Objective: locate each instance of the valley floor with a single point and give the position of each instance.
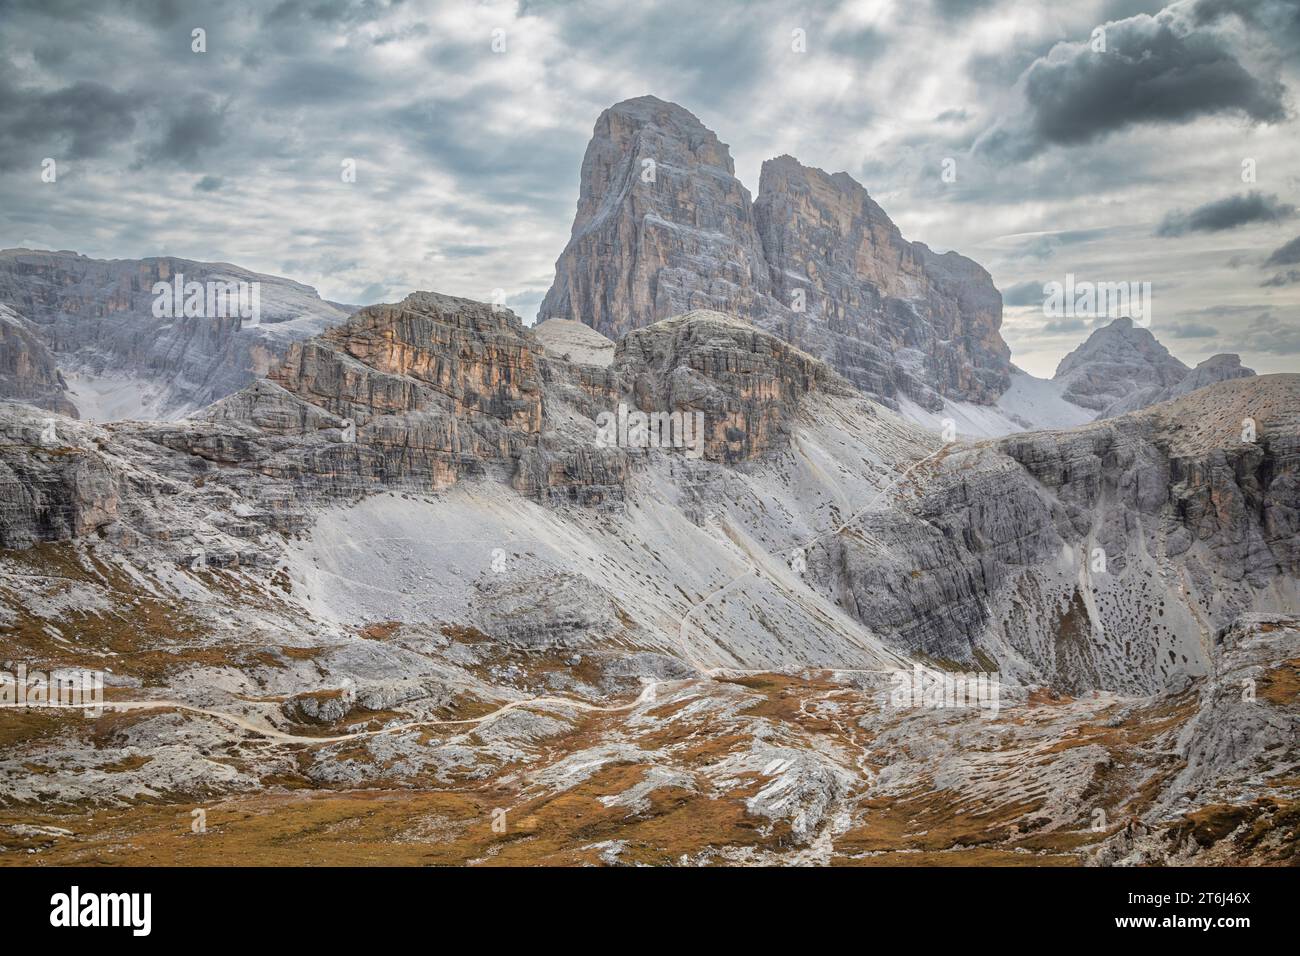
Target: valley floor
(816, 768)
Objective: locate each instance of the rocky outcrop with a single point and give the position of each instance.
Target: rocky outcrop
(1217, 807)
(96, 317)
(891, 315)
(664, 227)
(52, 487)
(1217, 368)
(416, 396)
(1174, 523)
(980, 556)
(746, 384)
(1114, 362)
(929, 574)
(28, 372)
(1102, 556)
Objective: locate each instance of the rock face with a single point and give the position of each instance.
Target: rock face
(1116, 361)
(1189, 524)
(28, 372)
(961, 553)
(1217, 368)
(889, 314)
(1105, 555)
(411, 522)
(418, 395)
(746, 383)
(1235, 742)
(415, 396)
(96, 318)
(664, 227)
(54, 487)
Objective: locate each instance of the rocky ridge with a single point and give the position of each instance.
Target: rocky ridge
(664, 227)
(469, 545)
(95, 318)
(1217, 368)
(1121, 368)
(989, 552)
(28, 372)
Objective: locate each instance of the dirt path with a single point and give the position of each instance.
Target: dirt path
(270, 733)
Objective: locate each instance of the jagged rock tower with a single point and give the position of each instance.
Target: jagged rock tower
(664, 226)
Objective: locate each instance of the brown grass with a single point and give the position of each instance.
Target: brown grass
(1281, 685)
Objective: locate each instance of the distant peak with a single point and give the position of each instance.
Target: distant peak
(1222, 358)
(647, 99)
(652, 109)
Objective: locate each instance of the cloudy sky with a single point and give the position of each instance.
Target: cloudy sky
(1173, 157)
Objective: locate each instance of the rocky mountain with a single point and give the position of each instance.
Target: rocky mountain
(663, 227)
(118, 359)
(1217, 368)
(1121, 368)
(407, 559)
(1115, 361)
(28, 372)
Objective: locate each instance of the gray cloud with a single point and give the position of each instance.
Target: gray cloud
(1046, 245)
(1073, 324)
(717, 54)
(953, 116)
(1280, 18)
(1193, 330)
(1023, 293)
(453, 135)
(461, 250)
(328, 12)
(197, 126)
(78, 121)
(469, 161)
(1227, 213)
(961, 9)
(1268, 333)
(1153, 70)
(1285, 255)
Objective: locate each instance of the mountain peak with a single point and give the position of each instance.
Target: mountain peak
(663, 227)
(1122, 366)
(649, 106)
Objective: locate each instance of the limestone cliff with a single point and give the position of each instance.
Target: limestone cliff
(980, 553)
(663, 227)
(891, 315)
(28, 372)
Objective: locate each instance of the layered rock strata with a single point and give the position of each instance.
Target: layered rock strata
(664, 227)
